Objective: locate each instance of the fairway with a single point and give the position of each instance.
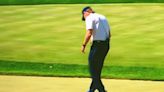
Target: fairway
(55, 84)
(54, 34)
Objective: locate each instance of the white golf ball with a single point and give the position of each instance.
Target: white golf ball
(50, 66)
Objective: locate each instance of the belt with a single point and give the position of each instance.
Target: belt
(100, 41)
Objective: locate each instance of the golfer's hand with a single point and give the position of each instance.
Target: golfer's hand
(83, 49)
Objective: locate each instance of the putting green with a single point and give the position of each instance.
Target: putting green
(55, 84)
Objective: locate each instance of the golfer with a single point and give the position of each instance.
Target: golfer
(99, 31)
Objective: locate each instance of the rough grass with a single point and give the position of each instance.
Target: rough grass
(75, 70)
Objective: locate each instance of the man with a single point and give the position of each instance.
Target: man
(98, 29)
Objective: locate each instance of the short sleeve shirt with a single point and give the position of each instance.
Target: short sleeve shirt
(100, 26)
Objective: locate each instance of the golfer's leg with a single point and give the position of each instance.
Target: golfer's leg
(104, 51)
(100, 65)
(92, 67)
(103, 54)
(100, 84)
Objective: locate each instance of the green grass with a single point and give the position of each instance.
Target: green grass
(54, 34)
(26, 2)
(75, 70)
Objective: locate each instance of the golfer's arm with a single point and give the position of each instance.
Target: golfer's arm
(87, 36)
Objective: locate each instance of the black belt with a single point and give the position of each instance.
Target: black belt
(100, 41)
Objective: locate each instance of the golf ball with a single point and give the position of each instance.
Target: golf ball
(50, 66)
